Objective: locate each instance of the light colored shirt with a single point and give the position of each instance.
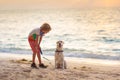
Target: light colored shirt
(35, 31)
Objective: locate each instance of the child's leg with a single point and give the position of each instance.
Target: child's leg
(32, 45)
(39, 58)
(33, 57)
(38, 54)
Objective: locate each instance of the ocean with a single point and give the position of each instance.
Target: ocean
(87, 33)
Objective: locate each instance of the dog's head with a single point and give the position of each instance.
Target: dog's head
(60, 44)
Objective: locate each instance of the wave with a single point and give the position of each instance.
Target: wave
(67, 53)
(108, 40)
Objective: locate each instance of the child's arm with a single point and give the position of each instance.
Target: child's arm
(40, 37)
(38, 40)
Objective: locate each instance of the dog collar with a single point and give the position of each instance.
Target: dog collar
(59, 51)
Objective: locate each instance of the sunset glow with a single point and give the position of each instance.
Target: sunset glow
(58, 3)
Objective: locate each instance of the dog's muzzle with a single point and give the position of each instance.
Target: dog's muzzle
(59, 44)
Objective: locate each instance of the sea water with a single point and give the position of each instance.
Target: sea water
(87, 33)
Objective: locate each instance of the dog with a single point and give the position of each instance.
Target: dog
(60, 63)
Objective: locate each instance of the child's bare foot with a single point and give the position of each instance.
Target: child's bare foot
(33, 65)
(42, 65)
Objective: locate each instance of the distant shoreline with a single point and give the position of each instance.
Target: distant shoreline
(8, 56)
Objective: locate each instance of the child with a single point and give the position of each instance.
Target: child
(35, 38)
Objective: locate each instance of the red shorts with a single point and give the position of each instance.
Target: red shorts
(34, 45)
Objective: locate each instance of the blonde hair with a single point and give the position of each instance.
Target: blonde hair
(45, 27)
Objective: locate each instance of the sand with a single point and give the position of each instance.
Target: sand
(16, 67)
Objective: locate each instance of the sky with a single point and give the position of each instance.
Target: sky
(58, 3)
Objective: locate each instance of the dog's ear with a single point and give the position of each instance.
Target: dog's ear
(62, 42)
(57, 42)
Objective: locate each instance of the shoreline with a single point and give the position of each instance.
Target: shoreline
(8, 56)
(17, 67)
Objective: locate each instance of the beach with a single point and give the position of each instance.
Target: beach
(90, 32)
(17, 67)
